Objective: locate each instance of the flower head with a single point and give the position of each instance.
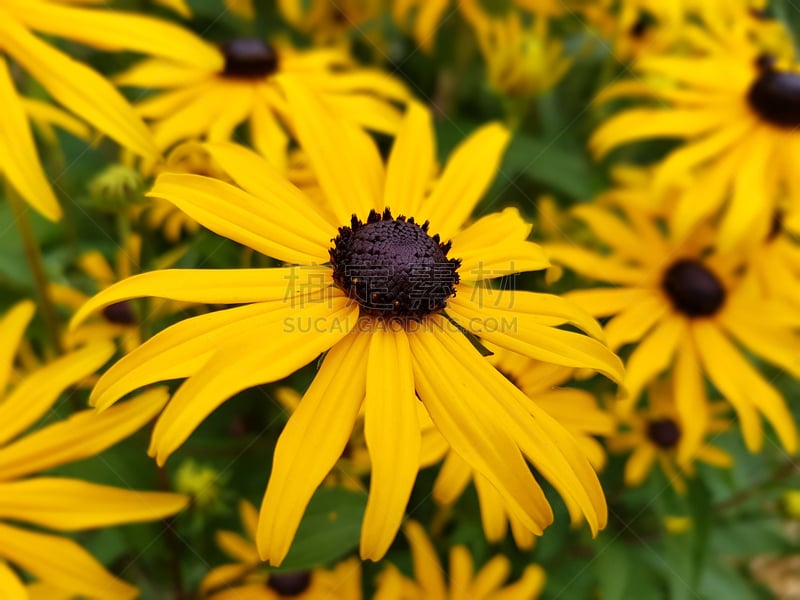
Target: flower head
(390, 307)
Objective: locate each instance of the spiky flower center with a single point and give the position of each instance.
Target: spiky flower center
(693, 289)
(664, 433)
(120, 313)
(775, 95)
(289, 584)
(392, 267)
(249, 58)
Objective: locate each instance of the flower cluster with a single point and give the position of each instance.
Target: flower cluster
(400, 280)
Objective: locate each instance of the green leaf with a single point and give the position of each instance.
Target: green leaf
(330, 529)
(613, 569)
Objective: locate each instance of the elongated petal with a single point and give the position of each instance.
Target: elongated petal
(427, 568)
(392, 434)
(13, 588)
(778, 345)
(493, 514)
(497, 245)
(113, 30)
(238, 548)
(246, 360)
(233, 213)
(18, 155)
(452, 480)
(36, 393)
(258, 177)
(470, 170)
(594, 266)
(603, 302)
(411, 164)
(691, 402)
(46, 114)
(744, 387)
(460, 413)
(159, 74)
(352, 180)
(12, 327)
(72, 505)
(522, 330)
(82, 435)
(79, 88)
(651, 357)
(546, 443)
(633, 322)
(212, 286)
(639, 464)
(326, 416)
(61, 562)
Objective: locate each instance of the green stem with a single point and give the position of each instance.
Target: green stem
(34, 256)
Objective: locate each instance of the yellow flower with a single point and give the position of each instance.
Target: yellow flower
(77, 87)
(576, 410)
(521, 60)
(430, 583)
(60, 503)
(209, 95)
(655, 434)
(736, 108)
(377, 308)
(679, 302)
(330, 21)
(429, 15)
(248, 577)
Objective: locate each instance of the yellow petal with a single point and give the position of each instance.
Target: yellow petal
(246, 360)
(651, 357)
(79, 88)
(427, 568)
(61, 562)
(452, 480)
(778, 345)
(326, 416)
(35, 394)
(72, 505)
(744, 387)
(18, 155)
(12, 327)
(45, 113)
(603, 302)
(595, 266)
(12, 587)
(353, 179)
(159, 73)
(114, 30)
(470, 170)
(411, 164)
(258, 177)
(522, 330)
(490, 577)
(284, 234)
(82, 435)
(496, 245)
(690, 401)
(459, 410)
(392, 435)
(212, 286)
(639, 464)
(635, 320)
(237, 547)
(493, 514)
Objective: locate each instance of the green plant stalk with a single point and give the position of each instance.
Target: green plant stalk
(34, 257)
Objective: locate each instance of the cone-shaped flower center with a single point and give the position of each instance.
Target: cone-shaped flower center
(289, 584)
(392, 267)
(775, 95)
(693, 289)
(120, 313)
(664, 433)
(249, 57)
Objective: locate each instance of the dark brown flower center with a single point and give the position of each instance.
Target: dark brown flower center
(249, 57)
(664, 433)
(120, 313)
(289, 584)
(776, 225)
(693, 289)
(643, 25)
(775, 95)
(392, 267)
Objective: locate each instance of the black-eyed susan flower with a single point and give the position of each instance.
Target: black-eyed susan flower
(736, 109)
(575, 409)
(248, 577)
(461, 581)
(686, 307)
(208, 95)
(60, 503)
(653, 435)
(329, 21)
(72, 84)
(522, 60)
(377, 290)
